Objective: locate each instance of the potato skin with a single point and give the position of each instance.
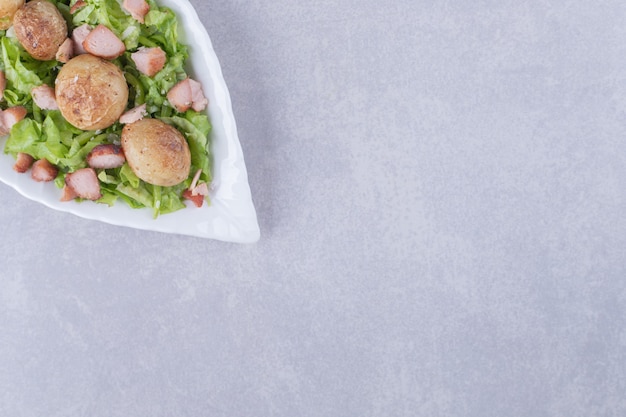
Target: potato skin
(91, 92)
(7, 10)
(40, 28)
(156, 152)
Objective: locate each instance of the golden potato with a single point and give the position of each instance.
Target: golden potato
(40, 28)
(7, 10)
(156, 152)
(91, 92)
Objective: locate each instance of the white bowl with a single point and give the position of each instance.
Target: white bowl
(231, 216)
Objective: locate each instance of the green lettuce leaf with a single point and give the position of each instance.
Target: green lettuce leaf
(22, 72)
(196, 127)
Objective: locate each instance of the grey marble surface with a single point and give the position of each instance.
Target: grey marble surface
(441, 193)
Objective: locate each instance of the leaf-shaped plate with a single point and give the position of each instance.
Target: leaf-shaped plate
(231, 216)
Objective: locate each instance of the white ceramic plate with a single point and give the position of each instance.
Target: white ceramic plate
(231, 216)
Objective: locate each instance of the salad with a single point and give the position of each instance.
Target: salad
(43, 130)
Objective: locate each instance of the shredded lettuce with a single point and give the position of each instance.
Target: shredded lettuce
(46, 133)
(23, 72)
(196, 129)
(110, 14)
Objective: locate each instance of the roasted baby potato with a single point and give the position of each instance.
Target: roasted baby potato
(40, 28)
(156, 152)
(91, 92)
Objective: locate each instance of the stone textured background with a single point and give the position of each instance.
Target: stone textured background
(441, 193)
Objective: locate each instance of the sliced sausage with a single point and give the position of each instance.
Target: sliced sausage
(106, 156)
(43, 96)
(66, 51)
(102, 42)
(187, 94)
(196, 199)
(179, 96)
(68, 193)
(23, 162)
(134, 114)
(137, 8)
(43, 171)
(200, 189)
(11, 116)
(84, 183)
(198, 100)
(149, 60)
(78, 37)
